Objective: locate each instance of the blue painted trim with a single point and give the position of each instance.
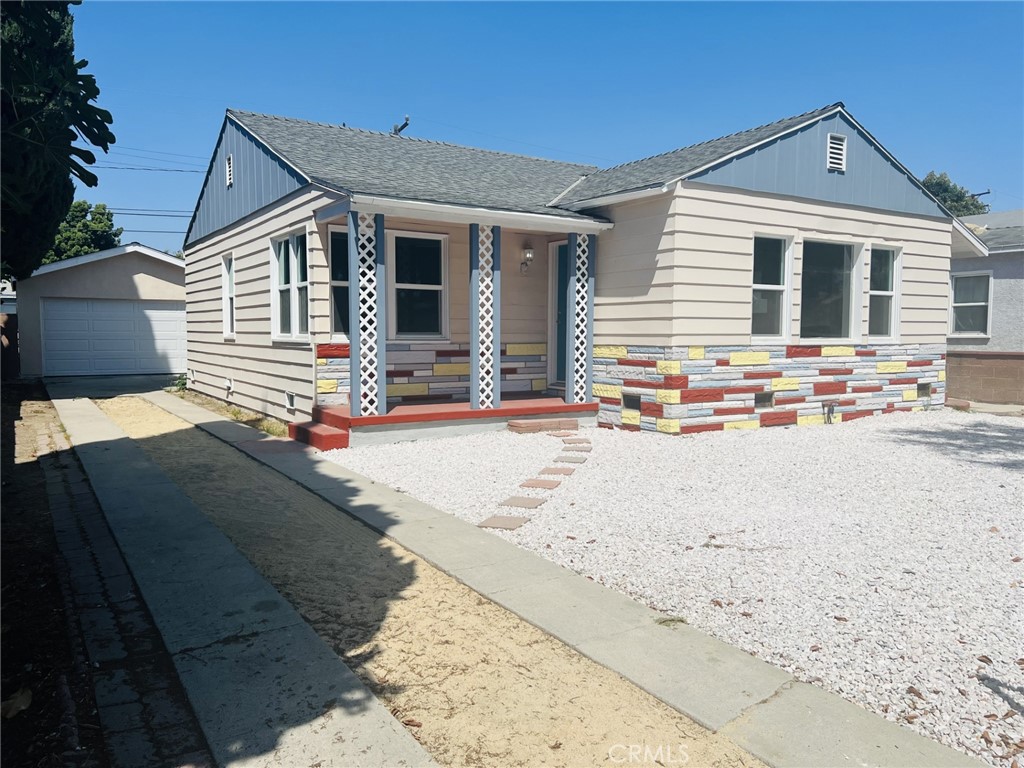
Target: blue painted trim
(353, 313)
(570, 318)
(497, 317)
(474, 316)
(380, 259)
(591, 289)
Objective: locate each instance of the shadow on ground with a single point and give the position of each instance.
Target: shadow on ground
(986, 442)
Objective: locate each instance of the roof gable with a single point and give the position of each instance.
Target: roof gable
(110, 253)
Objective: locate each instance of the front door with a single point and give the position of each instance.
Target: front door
(561, 286)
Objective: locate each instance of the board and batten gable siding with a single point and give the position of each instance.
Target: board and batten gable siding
(259, 179)
(262, 370)
(796, 165)
(714, 234)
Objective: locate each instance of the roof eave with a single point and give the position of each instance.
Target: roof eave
(120, 250)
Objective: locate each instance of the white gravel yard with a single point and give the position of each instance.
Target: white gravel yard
(880, 559)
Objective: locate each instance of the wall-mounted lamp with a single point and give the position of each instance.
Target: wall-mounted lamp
(524, 265)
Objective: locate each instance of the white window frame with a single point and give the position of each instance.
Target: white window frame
(228, 295)
(293, 289)
(952, 306)
(841, 165)
(896, 293)
(857, 251)
(786, 289)
(336, 337)
(393, 287)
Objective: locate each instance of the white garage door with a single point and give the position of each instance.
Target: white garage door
(90, 337)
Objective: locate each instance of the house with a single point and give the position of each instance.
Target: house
(789, 274)
(986, 315)
(116, 311)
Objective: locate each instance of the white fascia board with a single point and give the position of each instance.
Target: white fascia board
(333, 211)
(622, 197)
(972, 239)
(110, 253)
(458, 214)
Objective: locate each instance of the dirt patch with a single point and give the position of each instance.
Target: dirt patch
(474, 683)
(253, 419)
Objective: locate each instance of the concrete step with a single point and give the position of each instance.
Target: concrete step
(523, 426)
(320, 436)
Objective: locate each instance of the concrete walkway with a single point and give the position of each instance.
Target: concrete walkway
(216, 650)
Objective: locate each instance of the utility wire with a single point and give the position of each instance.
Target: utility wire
(158, 215)
(140, 156)
(144, 168)
(159, 231)
(158, 152)
(150, 210)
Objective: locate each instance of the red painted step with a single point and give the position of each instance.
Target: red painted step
(320, 436)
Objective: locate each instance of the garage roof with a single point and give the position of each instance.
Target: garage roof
(110, 253)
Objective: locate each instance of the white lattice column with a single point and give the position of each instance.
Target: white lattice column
(579, 325)
(485, 315)
(367, 313)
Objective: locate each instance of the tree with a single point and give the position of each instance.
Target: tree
(957, 199)
(46, 105)
(86, 229)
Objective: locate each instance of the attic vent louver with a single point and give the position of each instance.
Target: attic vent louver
(836, 152)
(229, 170)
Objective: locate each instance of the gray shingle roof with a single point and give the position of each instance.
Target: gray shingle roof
(657, 170)
(1002, 231)
(366, 162)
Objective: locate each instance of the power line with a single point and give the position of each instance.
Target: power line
(158, 215)
(141, 156)
(157, 231)
(151, 210)
(158, 152)
(144, 168)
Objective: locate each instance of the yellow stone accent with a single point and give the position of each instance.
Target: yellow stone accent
(408, 389)
(607, 390)
(749, 358)
(785, 385)
(326, 386)
(668, 426)
(668, 366)
(942, 375)
(749, 424)
(810, 421)
(897, 366)
(667, 396)
(696, 353)
(631, 417)
(612, 352)
(451, 369)
(909, 394)
(540, 384)
(838, 352)
(526, 349)
(917, 408)
(321, 361)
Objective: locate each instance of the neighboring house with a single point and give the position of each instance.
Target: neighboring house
(986, 316)
(8, 298)
(759, 279)
(116, 311)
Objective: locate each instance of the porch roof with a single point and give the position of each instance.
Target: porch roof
(359, 162)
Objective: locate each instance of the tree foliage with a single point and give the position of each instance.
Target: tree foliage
(86, 229)
(956, 198)
(47, 104)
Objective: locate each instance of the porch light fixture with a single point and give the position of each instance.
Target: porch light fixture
(524, 266)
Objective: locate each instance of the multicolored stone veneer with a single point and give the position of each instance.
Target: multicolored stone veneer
(429, 371)
(683, 390)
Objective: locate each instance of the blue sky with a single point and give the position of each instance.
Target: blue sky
(941, 85)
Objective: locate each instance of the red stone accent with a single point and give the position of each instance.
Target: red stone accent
(721, 362)
(902, 382)
(456, 352)
(857, 415)
(602, 425)
(701, 428)
(651, 409)
(743, 390)
(510, 369)
(630, 427)
(732, 411)
(397, 374)
(701, 395)
(865, 352)
(333, 350)
(845, 403)
(835, 371)
(609, 401)
(919, 363)
(640, 384)
(830, 388)
(789, 400)
(637, 363)
(871, 388)
(803, 351)
(942, 357)
(676, 382)
(778, 418)
(762, 375)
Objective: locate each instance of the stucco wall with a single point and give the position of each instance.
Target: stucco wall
(1007, 333)
(132, 276)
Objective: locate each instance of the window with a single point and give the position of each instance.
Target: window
(339, 282)
(290, 287)
(972, 304)
(882, 293)
(835, 152)
(228, 295)
(229, 170)
(826, 291)
(417, 285)
(769, 295)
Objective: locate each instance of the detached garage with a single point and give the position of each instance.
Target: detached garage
(118, 311)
